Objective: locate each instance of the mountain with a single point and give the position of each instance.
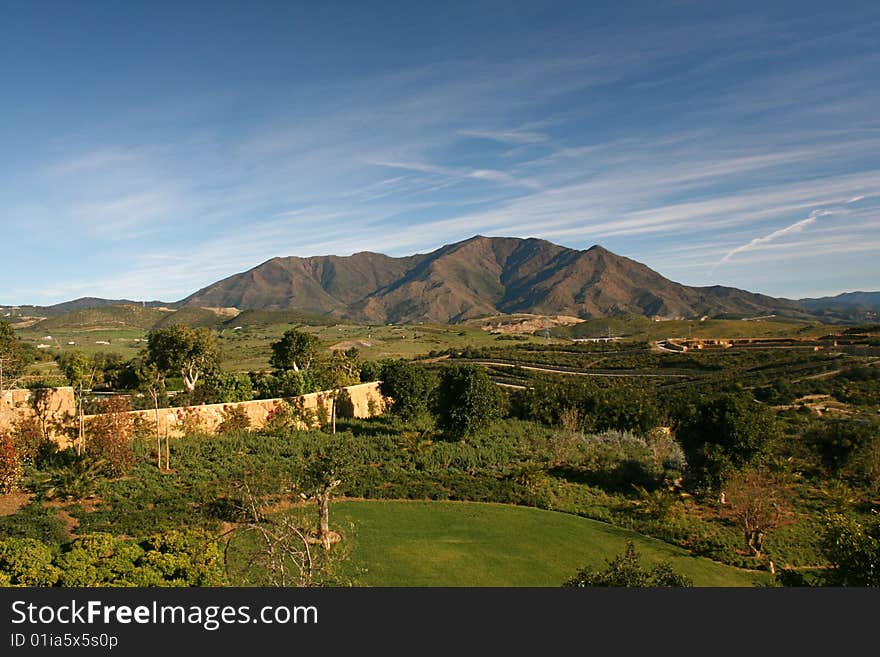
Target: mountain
(83, 303)
(476, 277)
(847, 300)
(848, 307)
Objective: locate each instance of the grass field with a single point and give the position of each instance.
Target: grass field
(248, 348)
(411, 543)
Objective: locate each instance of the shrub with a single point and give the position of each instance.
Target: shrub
(853, 549)
(189, 421)
(627, 570)
(171, 558)
(29, 438)
(27, 562)
(234, 419)
(11, 470)
(110, 435)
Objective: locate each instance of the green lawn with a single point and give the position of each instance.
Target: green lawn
(407, 543)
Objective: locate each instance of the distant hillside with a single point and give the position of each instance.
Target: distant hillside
(847, 300)
(477, 277)
(109, 317)
(193, 317)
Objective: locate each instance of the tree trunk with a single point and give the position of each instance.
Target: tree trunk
(333, 413)
(167, 453)
(81, 443)
(324, 516)
(158, 434)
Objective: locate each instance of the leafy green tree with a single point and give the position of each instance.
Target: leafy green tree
(326, 463)
(627, 570)
(409, 387)
(151, 382)
(191, 353)
(724, 434)
(467, 400)
(82, 372)
(296, 350)
(853, 549)
(14, 355)
(371, 370)
(225, 388)
(284, 384)
(338, 370)
(838, 441)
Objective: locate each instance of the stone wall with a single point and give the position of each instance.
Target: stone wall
(366, 400)
(54, 408)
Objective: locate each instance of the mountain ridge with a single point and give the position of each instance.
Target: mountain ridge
(476, 277)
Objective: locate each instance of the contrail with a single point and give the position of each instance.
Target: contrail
(855, 199)
(796, 227)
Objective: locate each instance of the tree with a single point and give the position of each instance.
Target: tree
(338, 370)
(152, 383)
(467, 400)
(226, 388)
(326, 463)
(296, 350)
(81, 372)
(853, 549)
(14, 355)
(839, 441)
(284, 546)
(409, 387)
(724, 434)
(178, 349)
(111, 431)
(757, 498)
(627, 570)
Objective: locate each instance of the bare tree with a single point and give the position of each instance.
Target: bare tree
(284, 550)
(285, 553)
(756, 498)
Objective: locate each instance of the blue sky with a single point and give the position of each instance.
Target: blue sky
(151, 149)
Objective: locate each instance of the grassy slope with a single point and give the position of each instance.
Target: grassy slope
(407, 543)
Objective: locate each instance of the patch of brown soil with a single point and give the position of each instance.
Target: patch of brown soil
(12, 502)
(528, 323)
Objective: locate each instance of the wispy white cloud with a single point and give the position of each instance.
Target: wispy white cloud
(796, 227)
(507, 136)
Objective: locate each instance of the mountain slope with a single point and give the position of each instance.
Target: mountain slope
(476, 277)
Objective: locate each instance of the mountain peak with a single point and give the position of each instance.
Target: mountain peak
(476, 277)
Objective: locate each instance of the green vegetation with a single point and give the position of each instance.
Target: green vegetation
(762, 455)
(401, 543)
(627, 570)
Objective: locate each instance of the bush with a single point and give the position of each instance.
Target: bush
(234, 419)
(627, 570)
(11, 470)
(110, 436)
(29, 438)
(171, 558)
(27, 562)
(853, 549)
